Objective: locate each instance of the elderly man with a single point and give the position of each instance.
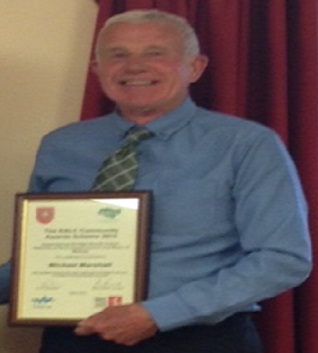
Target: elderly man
(229, 224)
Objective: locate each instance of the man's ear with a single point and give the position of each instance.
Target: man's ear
(198, 65)
(93, 66)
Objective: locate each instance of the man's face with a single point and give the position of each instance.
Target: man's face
(142, 68)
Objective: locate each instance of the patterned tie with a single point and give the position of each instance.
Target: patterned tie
(118, 172)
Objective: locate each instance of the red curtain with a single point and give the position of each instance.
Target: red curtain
(263, 67)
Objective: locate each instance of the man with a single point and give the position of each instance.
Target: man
(229, 218)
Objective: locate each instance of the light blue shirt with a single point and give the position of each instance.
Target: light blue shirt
(5, 271)
(229, 221)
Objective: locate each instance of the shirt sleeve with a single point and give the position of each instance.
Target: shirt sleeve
(271, 222)
(5, 269)
(4, 282)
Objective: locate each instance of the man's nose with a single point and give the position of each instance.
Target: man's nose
(135, 63)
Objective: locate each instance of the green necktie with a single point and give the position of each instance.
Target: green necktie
(118, 172)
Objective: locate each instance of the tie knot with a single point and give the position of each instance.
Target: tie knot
(138, 133)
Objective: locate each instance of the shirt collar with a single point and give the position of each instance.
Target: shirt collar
(163, 127)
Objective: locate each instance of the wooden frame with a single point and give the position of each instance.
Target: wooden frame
(76, 253)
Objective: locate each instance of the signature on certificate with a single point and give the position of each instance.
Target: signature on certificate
(108, 284)
(49, 285)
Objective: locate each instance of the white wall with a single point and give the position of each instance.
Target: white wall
(44, 54)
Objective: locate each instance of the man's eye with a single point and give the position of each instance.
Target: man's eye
(155, 53)
(118, 55)
(114, 55)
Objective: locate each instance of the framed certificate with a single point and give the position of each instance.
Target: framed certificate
(76, 254)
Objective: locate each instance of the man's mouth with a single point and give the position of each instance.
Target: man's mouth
(138, 82)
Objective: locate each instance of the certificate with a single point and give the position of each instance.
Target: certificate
(75, 254)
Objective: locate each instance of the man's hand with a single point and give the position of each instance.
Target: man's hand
(125, 324)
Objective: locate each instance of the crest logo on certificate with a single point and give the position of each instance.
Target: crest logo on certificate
(45, 215)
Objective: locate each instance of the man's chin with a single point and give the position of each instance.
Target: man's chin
(140, 113)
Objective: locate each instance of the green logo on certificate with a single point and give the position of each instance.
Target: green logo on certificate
(109, 212)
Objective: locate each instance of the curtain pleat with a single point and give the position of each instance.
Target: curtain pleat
(263, 67)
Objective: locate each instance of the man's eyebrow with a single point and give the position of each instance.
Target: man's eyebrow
(156, 47)
(111, 49)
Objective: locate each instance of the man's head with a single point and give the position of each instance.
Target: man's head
(145, 61)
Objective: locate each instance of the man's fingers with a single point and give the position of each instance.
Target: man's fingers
(83, 330)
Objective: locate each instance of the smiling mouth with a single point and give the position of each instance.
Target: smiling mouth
(138, 82)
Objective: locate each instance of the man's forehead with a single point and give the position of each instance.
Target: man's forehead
(123, 29)
(115, 47)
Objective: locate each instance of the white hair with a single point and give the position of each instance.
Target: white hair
(187, 33)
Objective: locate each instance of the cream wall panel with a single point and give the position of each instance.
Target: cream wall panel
(44, 54)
